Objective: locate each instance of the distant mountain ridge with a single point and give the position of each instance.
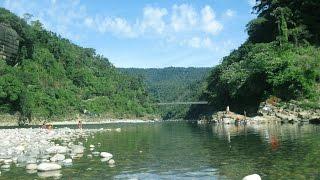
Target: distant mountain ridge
(172, 84)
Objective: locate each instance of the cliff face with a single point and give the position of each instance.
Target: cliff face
(9, 42)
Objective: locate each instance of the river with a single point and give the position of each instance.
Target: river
(180, 150)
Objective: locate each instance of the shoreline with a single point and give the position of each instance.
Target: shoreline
(84, 122)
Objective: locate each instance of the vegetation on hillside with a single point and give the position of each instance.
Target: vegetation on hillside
(172, 84)
(54, 78)
(280, 58)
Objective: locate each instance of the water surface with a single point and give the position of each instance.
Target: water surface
(179, 150)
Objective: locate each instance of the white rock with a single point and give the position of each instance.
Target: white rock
(32, 166)
(111, 162)
(50, 174)
(5, 166)
(48, 167)
(8, 161)
(77, 149)
(57, 157)
(106, 155)
(31, 171)
(32, 161)
(91, 146)
(67, 161)
(57, 149)
(252, 177)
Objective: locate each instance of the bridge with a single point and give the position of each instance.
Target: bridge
(181, 103)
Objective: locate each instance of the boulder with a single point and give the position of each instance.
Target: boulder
(48, 167)
(286, 117)
(252, 177)
(106, 155)
(111, 162)
(57, 157)
(228, 120)
(32, 167)
(5, 166)
(8, 161)
(77, 149)
(50, 174)
(67, 161)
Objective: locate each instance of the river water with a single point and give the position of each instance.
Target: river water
(179, 150)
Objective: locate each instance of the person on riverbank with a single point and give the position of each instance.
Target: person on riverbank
(44, 126)
(79, 124)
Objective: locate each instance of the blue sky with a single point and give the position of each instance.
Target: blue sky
(146, 33)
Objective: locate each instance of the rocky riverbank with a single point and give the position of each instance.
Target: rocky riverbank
(38, 151)
(12, 120)
(267, 113)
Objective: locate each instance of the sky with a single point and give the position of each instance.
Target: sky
(146, 33)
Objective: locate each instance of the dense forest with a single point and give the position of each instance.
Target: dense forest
(172, 84)
(281, 58)
(52, 78)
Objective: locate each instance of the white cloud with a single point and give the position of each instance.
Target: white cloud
(229, 13)
(199, 42)
(117, 26)
(183, 24)
(210, 24)
(153, 19)
(49, 12)
(183, 17)
(194, 42)
(252, 2)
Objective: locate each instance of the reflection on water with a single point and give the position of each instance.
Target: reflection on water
(178, 150)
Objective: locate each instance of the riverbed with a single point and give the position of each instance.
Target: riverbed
(180, 150)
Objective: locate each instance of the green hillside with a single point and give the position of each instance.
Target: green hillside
(52, 78)
(280, 58)
(172, 84)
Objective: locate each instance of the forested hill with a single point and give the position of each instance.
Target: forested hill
(172, 84)
(51, 78)
(281, 58)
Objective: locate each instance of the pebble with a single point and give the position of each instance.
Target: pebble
(25, 147)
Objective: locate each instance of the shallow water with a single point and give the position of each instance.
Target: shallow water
(179, 150)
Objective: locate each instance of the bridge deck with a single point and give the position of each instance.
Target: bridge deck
(182, 103)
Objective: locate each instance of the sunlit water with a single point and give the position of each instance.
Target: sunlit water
(179, 150)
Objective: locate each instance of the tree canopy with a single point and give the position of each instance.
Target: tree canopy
(53, 78)
(280, 58)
